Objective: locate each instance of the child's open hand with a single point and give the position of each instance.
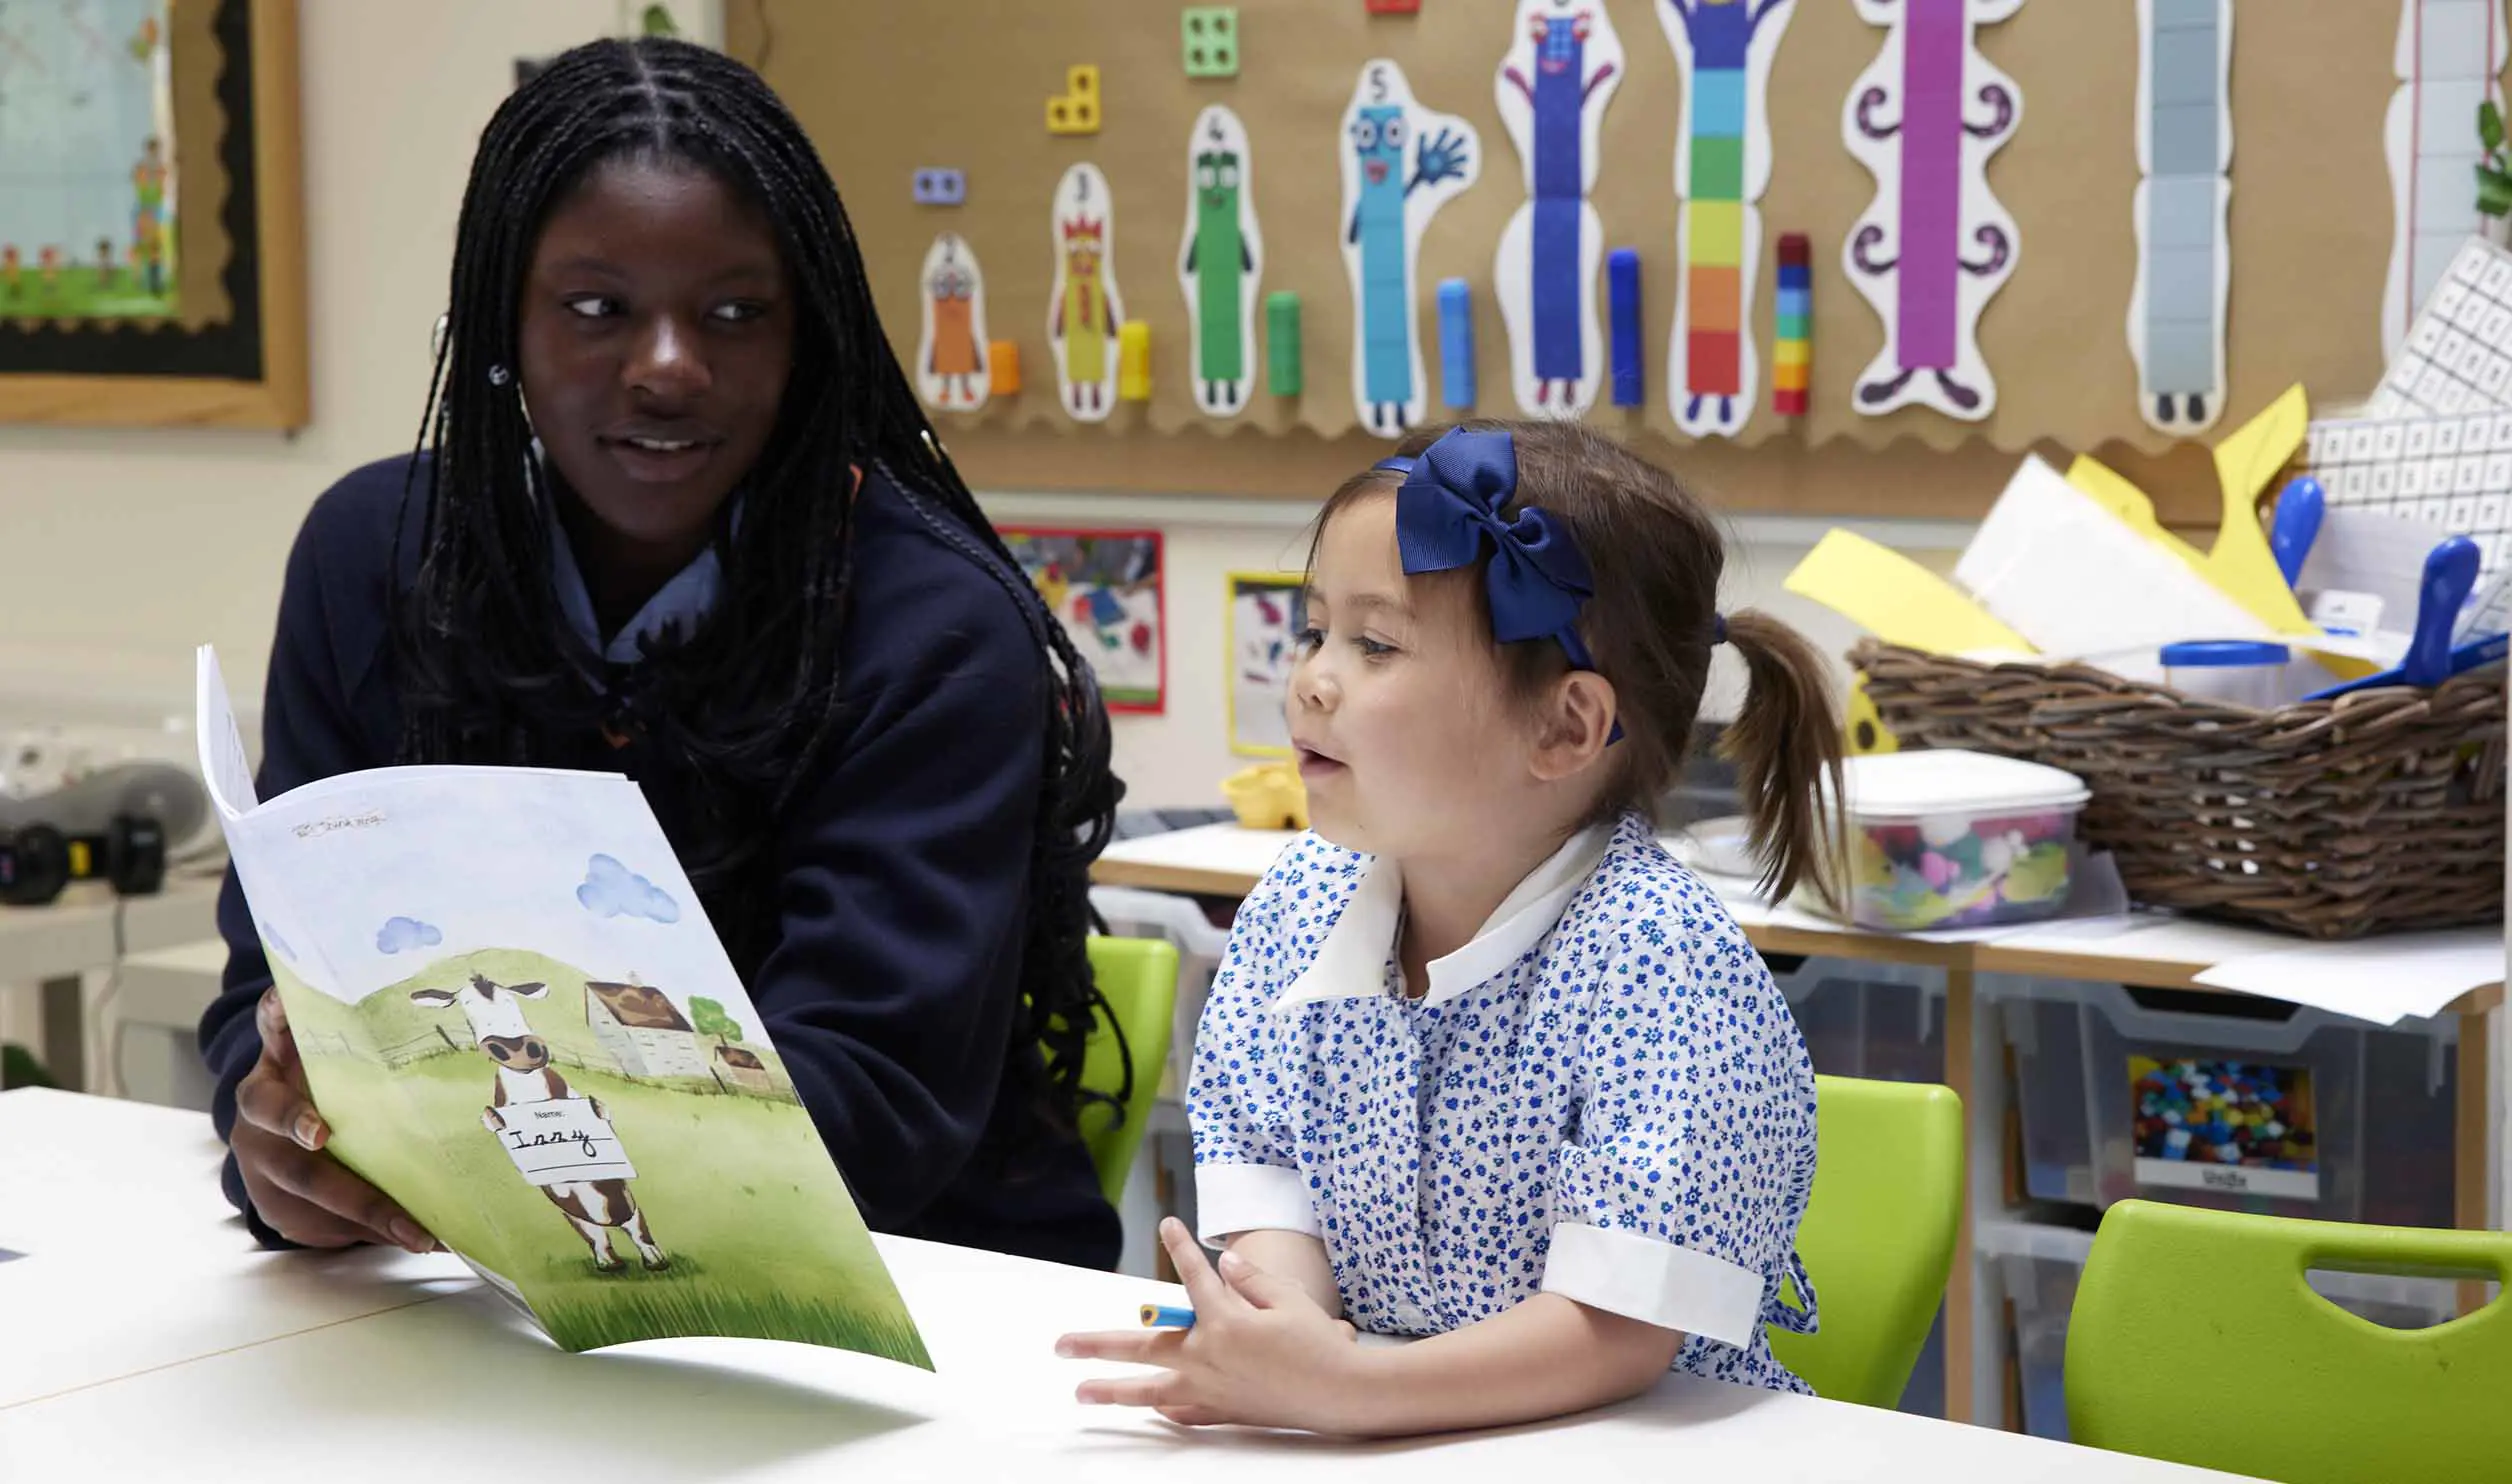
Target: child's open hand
(1261, 1352)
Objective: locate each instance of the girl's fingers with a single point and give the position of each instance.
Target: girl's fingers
(1203, 1286)
(1131, 1391)
(1126, 1346)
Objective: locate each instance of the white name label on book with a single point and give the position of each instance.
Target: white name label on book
(562, 1140)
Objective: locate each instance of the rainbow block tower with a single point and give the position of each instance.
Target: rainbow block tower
(1793, 331)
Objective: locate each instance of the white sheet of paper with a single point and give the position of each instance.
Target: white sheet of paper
(2079, 582)
(2367, 566)
(222, 743)
(2382, 979)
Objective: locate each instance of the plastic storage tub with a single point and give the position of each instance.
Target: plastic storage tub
(1885, 1021)
(1958, 839)
(1133, 913)
(2124, 1093)
(2038, 1268)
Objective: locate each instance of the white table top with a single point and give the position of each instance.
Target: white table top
(381, 1365)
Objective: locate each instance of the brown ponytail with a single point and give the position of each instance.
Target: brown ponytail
(1785, 744)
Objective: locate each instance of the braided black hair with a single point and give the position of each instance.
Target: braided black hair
(747, 700)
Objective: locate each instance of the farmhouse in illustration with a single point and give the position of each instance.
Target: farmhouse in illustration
(639, 1025)
(743, 1068)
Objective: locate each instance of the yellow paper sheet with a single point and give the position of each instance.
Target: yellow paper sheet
(1896, 599)
(2240, 560)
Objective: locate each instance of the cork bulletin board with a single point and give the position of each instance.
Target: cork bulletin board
(886, 90)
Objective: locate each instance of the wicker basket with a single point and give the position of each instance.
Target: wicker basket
(2375, 812)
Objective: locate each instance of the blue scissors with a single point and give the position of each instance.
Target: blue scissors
(2450, 575)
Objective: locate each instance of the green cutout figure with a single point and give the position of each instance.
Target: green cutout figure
(1219, 265)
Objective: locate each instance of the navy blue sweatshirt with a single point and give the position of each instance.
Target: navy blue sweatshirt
(887, 959)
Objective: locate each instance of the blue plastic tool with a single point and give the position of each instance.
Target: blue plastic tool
(2297, 525)
(1456, 343)
(2450, 573)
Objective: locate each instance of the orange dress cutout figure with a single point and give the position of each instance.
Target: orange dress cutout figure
(952, 355)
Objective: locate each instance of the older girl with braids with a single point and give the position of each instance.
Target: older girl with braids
(674, 513)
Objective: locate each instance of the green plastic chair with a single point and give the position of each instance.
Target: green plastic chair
(1878, 1235)
(1139, 977)
(2195, 1339)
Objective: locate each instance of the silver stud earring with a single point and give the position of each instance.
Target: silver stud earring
(499, 376)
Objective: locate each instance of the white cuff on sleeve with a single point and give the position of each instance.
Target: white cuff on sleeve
(1652, 1281)
(1234, 1198)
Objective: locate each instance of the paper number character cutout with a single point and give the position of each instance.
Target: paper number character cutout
(1084, 311)
(951, 371)
(2184, 273)
(1221, 261)
(1553, 86)
(2449, 57)
(1401, 163)
(1722, 165)
(1934, 246)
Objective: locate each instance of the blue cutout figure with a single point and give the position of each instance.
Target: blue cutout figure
(1559, 96)
(1379, 137)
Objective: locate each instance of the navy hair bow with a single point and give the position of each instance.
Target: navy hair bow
(1448, 510)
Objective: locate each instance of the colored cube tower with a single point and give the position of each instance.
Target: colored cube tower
(1282, 343)
(1456, 344)
(1076, 110)
(1793, 328)
(1133, 361)
(936, 186)
(1622, 280)
(1395, 7)
(1210, 36)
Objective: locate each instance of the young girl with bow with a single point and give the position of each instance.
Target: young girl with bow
(1484, 1067)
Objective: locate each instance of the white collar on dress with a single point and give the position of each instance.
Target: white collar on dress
(1352, 962)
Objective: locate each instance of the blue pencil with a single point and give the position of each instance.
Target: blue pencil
(1161, 1316)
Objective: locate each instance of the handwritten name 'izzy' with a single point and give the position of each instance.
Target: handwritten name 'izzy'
(516, 1139)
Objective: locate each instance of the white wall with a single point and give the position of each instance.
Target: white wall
(126, 547)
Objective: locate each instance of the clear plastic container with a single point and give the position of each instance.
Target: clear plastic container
(2038, 1270)
(2261, 1106)
(1958, 839)
(1884, 1021)
(2239, 672)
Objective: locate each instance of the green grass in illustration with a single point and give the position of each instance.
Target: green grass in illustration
(784, 1260)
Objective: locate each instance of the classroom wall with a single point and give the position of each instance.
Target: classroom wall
(126, 547)
(1176, 760)
(129, 546)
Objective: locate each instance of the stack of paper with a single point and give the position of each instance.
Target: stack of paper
(2077, 567)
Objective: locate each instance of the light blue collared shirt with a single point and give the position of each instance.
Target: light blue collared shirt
(684, 600)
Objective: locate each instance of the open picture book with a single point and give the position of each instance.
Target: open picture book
(520, 1025)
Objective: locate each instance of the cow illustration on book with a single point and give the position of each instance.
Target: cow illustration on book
(560, 1140)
